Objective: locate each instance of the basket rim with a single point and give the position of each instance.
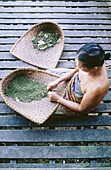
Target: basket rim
(26, 69)
(28, 31)
(15, 109)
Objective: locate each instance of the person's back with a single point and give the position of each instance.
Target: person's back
(95, 83)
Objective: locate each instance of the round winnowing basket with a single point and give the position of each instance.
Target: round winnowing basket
(36, 111)
(24, 50)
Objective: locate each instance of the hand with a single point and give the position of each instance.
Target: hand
(52, 85)
(53, 97)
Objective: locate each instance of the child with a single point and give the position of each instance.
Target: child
(88, 82)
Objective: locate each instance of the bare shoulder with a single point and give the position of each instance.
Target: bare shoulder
(98, 89)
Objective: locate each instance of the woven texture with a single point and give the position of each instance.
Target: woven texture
(24, 50)
(36, 111)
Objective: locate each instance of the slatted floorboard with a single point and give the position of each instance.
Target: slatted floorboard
(62, 142)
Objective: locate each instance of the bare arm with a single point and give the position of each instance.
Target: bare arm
(68, 75)
(65, 77)
(88, 103)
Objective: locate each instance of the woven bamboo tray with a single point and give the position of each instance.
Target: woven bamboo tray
(24, 50)
(36, 111)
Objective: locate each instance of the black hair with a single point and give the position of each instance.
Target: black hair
(92, 55)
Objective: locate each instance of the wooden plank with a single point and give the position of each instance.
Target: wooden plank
(6, 55)
(8, 40)
(59, 21)
(57, 15)
(5, 109)
(54, 9)
(84, 33)
(3, 73)
(14, 64)
(75, 166)
(64, 27)
(70, 55)
(86, 135)
(10, 33)
(56, 121)
(107, 97)
(84, 40)
(109, 73)
(66, 121)
(72, 47)
(16, 152)
(54, 3)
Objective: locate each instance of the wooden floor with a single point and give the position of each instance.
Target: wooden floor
(61, 142)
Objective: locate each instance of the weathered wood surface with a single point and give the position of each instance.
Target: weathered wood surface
(86, 135)
(56, 121)
(55, 152)
(82, 22)
(55, 4)
(98, 166)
